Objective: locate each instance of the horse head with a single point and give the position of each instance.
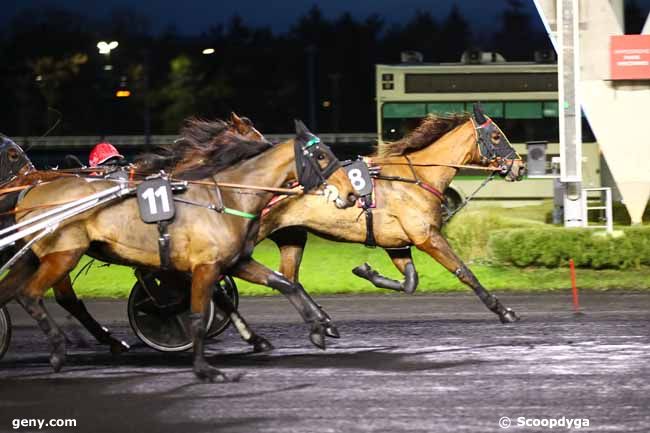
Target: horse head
(494, 148)
(13, 160)
(316, 165)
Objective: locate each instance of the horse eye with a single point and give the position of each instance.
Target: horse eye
(321, 156)
(13, 155)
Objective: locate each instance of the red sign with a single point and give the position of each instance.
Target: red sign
(630, 57)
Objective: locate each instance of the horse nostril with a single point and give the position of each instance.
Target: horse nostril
(352, 197)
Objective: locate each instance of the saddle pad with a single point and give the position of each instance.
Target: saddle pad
(155, 200)
(359, 176)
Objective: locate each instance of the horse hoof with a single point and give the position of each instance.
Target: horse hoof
(332, 331)
(362, 270)
(57, 354)
(508, 316)
(118, 346)
(317, 336)
(56, 361)
(261, 344)
(208, 373)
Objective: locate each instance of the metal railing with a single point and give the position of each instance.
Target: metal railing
(139, 141)
(603, 205)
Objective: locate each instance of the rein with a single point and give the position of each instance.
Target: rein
(286, 191)
(65, 173)
(436, 164)
(415, 180)
(468, 198)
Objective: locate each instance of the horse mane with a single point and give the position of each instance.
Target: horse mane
(430, 129)
(205, 147)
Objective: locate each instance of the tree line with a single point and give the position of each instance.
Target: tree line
(51, 68)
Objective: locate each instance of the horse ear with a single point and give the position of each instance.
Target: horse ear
(237, 122)
(478, 113)
(301, 129)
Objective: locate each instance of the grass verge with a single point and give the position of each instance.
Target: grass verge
(326, 270)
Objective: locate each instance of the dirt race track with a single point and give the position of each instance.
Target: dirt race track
(439, 363)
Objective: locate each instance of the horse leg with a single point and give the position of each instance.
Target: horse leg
(203, 279)
(17, 276)
(291, 243)
(255, 272)
(438, 248)
(403, 261)
(53, 267)
(259, 343)
(67, 298)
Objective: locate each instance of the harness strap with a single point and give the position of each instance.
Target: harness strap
(277, 199)
(239, 213)
(416, 180)
(223, 209)
(427, 187)
(366, 204)
(468, 198)
(164, 249)
(219, 206)
(410, 164)
(432, 190)
(274, 200)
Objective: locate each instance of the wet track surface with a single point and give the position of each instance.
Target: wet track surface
(422, 364)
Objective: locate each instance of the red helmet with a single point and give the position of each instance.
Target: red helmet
(102, 152)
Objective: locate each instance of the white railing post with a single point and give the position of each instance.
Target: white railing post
(609, 215)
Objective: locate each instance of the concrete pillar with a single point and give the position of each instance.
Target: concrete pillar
(618, 6)
(570, 117)
(617, 111)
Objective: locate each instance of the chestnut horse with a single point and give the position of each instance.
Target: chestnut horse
(204, 243)
(203, 136)
(408, 201)
(16, 170)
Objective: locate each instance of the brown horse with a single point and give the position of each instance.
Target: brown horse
(204, 243)
(408, 203)
(17, 170)
(202, 136)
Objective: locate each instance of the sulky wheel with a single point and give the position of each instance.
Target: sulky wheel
(5, 331)
(221, 321)
(159, 310)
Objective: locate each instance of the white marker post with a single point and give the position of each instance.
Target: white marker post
(568, 45)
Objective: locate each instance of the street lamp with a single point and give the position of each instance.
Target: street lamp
(106, 47)
(208, 51)
(105, 84)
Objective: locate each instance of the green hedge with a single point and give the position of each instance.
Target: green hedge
(553, 247)
(469, 232)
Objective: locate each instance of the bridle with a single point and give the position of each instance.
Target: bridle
(498, 158)
(310, 173)
(501, 156)
(11, 169)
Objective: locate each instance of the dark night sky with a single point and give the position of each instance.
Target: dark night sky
(195, 16)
